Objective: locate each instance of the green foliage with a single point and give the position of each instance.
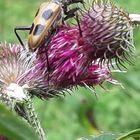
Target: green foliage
(14, 127)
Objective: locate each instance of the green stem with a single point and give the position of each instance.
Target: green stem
(32, 117)
(28, 109)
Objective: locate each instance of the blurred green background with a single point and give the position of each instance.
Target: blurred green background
(82, 113)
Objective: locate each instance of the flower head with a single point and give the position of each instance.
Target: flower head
(71, 62)
(17, 70)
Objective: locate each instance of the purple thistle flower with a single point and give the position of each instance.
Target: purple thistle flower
(108, 29)
(71, 62)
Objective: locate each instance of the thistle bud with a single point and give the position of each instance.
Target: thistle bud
(109, 31)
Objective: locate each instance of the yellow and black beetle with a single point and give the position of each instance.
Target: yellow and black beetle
(45, 22)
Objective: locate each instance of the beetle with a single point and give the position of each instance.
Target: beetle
(47, 18)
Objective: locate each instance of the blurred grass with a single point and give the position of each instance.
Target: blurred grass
(68, 118)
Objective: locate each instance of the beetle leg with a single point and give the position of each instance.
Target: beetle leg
(21, 28)
(78, 22)
(49, 38)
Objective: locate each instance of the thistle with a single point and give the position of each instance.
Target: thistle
(16, 77)
(18, 71)
(109, 31)
(24, 74)
(74, 60)
(71, 62)
(14, 65)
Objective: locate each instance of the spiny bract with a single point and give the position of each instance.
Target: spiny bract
(109, 31)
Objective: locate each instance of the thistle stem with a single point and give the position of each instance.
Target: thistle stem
(32, 118)
(30, 114)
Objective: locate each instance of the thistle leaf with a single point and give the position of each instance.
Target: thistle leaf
(104, 136)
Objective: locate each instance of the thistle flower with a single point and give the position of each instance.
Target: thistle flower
(108, 29)
(17, 70)
(71, 62)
